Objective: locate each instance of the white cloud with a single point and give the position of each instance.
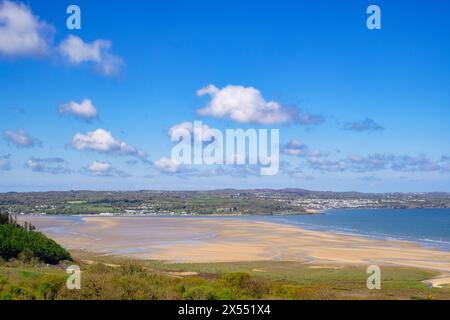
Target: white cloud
(166, 165)
(76, 51)
(20, 139)
(295, 148)
(247, 105)
(48, 165)
(85, 109)
(104, 169)
(22, 33)
(98, 166)
(241, 104)
(101, 140)
(179, 129)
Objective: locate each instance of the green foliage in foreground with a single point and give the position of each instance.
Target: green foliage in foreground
(299, 280)
(23, 284)
(122, 279)
(17, 242)
(132, 282)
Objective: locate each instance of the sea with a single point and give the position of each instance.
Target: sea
(428, 227)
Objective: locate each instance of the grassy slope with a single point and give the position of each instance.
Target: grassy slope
(125, 279)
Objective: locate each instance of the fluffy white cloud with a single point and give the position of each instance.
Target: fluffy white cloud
(76, 51)
(247, 105)
(166, 165)
(179, 129)
(241, 104)
(104, 169)
(20, 139)
(85, 109)
(101, 140)
(22, 33)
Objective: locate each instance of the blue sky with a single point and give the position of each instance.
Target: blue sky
(376, 102)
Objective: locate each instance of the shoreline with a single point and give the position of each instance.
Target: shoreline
(428, 243)
(199, 239)
(175, 214)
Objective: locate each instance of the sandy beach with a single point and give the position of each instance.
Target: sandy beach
(184, 239)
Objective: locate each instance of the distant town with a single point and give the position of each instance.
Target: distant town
(217, 202)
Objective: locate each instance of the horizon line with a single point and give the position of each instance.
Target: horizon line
(229, 189)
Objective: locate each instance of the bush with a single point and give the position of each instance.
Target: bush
(3, 281)
(243, 286)
(26, 256)
(50, 286)
(18, 293)
(133, 288)
(16, 242)
(235, 280)
(289, 291)
(200, 293)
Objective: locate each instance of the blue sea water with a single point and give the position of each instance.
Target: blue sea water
(429, 227)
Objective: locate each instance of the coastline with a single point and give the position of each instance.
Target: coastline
(227, 240)
(309, 221)
(307, 211)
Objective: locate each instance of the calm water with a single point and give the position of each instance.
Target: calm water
(430, 227)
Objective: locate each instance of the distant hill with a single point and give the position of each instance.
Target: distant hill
(226, 201)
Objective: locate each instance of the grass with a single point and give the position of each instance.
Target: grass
(112, 277)
(347, 282)
(109, 277)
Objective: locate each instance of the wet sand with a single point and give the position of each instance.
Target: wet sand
(184, 239)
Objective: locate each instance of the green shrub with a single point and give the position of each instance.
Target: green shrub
(243, 286)
(133, 288)
(16, 242)
(235, 280)
(3, 281)
(201, 293)
(50, 286)
(225, 294)
(18, 293)
(26, 256)
(289, 291)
